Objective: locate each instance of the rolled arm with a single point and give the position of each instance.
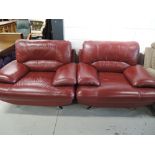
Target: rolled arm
(139, 77)
(87, 75)
(65, 75)
(12, 72)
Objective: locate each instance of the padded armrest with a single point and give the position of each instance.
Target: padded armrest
(65, 75)
(12, 72)
(87, 75)
(139, 77)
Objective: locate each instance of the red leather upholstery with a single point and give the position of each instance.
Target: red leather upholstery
(106, 51)
(87, 75)
(36, 89)
(43, 65)
(43, 50)
(12, 72)
(139, 77)
(55, 53)
(111, 59)
(110, 66)
(34, 72)
(114, 91)
(65, 75)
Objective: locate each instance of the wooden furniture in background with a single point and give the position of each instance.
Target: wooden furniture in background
(8, 26)
(7, 42)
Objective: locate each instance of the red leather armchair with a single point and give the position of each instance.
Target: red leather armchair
(42, 74)
(108, 76)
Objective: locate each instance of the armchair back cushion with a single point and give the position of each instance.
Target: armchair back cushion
(109, 56)
(43, 55)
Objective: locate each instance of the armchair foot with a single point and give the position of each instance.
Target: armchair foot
(89, 107)
(60, 107)
(152, 109)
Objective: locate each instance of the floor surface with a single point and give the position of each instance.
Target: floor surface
(74, 120)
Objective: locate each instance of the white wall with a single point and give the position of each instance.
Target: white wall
(122, 20)
(94, 19)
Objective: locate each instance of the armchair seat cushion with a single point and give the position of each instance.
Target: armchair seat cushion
(114, 91)
(36, 89)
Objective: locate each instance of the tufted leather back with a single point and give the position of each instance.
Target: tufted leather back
(109, 56)
(43, 55)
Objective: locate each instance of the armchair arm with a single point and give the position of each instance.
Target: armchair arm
(12, 72)
(65, 75)
(87, 75)
(139, 77)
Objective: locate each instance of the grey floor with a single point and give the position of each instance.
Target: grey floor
(74, 119)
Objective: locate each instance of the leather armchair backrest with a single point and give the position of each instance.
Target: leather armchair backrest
(109, 56)
(43, 55)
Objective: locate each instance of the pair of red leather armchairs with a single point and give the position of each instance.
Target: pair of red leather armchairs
(107, 75)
